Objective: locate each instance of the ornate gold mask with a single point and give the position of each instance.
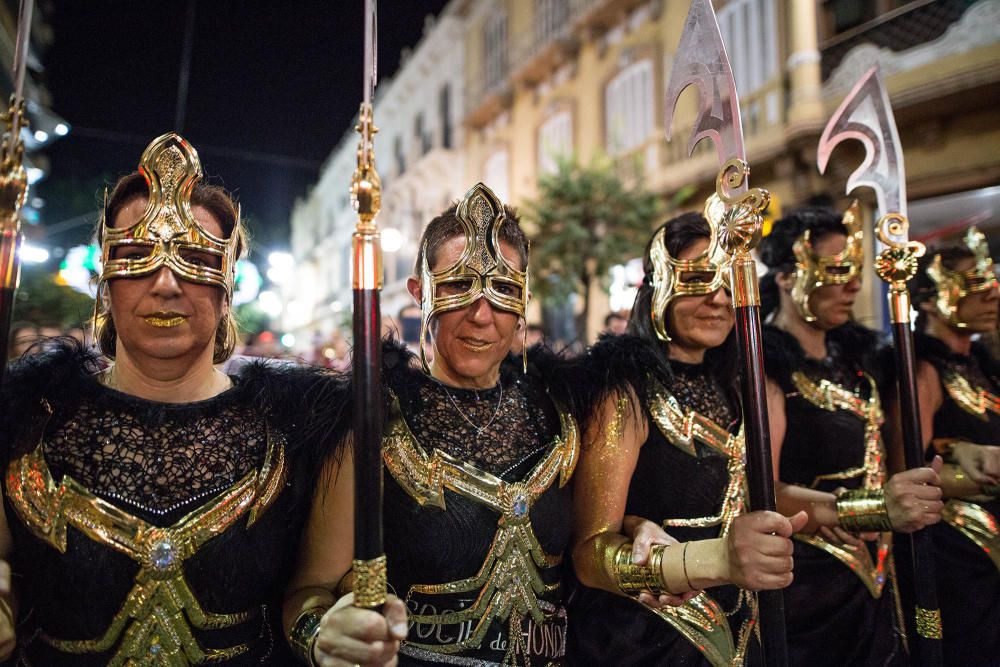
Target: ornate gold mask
(167, 233)
(698, 276)
(953, 286)
(812, 270)
(480, 272)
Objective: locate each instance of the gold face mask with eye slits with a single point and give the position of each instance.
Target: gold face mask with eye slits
(480, 272)
(168, 234)
(697, 276)
(812, 270)
(953, 286)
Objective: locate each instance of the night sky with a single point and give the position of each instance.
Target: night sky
(273, 86)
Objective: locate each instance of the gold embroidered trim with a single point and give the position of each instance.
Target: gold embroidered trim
(509, 581)
(830, 396)
(928, 622)
(976, 401)
(682, 428)
(701, 620)
(156, 620)
(975, 523)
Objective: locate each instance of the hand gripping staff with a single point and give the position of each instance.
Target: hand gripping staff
(13, 184)
(866, 115)
(734, 214)
(366, 195)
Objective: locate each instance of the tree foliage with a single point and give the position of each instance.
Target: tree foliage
(42, 301)
(586, 220)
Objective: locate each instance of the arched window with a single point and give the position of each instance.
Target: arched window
(496, 175)
(555, 141)
(628, 108)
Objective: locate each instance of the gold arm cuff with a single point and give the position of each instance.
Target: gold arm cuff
(634, 579)
(928, 623)
(302, 638)
(370, 581)
(863, 510)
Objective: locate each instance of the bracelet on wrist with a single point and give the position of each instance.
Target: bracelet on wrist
(302, 638)
(863, 510)
(634, 579)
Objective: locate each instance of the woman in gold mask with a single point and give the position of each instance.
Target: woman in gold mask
(665, 444)
(959, 387)
(826, 420)
(153, 504)
(478, 450)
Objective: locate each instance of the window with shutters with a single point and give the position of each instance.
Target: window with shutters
(629, 108)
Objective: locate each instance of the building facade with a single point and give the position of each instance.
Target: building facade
(540, 79)
(420, 161)
(587, 77)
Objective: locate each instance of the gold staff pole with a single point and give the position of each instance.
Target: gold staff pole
(13, 183)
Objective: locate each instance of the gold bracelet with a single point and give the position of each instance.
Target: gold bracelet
(863, 510)
(684, 560)
(304, 632)
(634, 579)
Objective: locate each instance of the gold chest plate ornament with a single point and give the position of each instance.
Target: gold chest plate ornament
(974, 400)
(968, 518)
(702, 620)
(154, 625)
(509, 583)
(829, 396)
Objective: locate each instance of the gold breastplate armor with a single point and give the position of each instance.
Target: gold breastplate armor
(974, 400)
(969, 518)
(154, 626)
(830, 396)
(509, 582)
(702, 620)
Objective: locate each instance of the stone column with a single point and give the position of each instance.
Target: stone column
(805, 111)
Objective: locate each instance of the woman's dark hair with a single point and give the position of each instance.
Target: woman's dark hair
(681, 232)
(215, 200)
(922, 288)
(776, 252)
(446, 226)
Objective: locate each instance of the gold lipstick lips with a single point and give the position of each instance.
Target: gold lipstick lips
(165, 320)
(476, 346)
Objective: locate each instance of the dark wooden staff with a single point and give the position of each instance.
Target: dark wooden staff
(735, 216)
(369, 565)
(866, 115)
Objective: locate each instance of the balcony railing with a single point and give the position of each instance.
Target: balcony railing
(534, 54)
(911, 25)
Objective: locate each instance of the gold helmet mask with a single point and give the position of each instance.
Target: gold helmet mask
(953, 286)
(480, 272)
(674, 277)
(167, 234)
(812, 270)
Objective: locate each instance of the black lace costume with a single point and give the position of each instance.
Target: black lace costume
(967, 541)
(694, 487)
(148, 532)
(841, 608)
(477, 516)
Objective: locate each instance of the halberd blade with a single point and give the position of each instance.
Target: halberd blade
(701, 60)
(866, 115)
